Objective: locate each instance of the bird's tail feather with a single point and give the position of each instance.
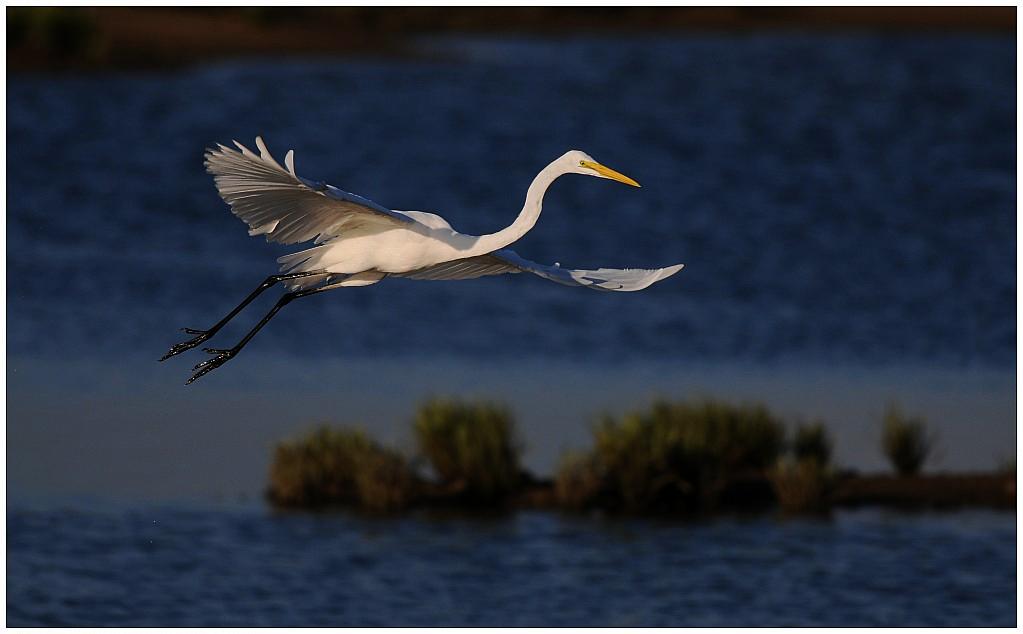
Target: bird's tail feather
(302, 261)
(306, 260)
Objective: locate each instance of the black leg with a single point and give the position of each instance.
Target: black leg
(225, 354)
(203, 335)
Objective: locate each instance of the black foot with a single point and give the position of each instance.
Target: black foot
(203, 335)
(203, 367)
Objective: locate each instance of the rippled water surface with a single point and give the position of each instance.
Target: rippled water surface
(846, 209)
(251, 567)
(844, 199)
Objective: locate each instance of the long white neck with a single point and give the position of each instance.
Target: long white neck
(529, 214)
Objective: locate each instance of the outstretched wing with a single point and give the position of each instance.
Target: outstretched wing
(287, 208)
(507, 261)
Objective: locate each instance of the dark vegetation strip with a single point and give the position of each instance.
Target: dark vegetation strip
(674, 458)
(53, 38)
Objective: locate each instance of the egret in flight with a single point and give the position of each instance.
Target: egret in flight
(358, 242)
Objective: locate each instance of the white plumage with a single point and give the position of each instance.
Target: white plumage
(274, 201)
(355, 234)
(507, 261)
(357, 242)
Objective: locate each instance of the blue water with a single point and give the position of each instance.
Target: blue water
(249, 567)
(846, 209)
(836, 199)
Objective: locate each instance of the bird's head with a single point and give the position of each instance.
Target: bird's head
(579, 162)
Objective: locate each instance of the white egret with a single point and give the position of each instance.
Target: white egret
(358, 242)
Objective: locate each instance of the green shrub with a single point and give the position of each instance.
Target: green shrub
(471, 447)
(384, 481)
(331, 466)
(812, 443)
(802, 486)
(906, 441)
(675, 456)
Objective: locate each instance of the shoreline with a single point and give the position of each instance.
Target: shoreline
(126, 38)
(749, 495)
(214, 440)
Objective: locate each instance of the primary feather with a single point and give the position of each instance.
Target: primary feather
(285, 207)
(508, 261)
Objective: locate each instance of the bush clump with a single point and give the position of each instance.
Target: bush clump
(672, 457)
(803, 482)
(905, 441)
(472, 448)
(339, 466)
(812, 443)
(802, 486)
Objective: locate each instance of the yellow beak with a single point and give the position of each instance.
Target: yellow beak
(607, 172)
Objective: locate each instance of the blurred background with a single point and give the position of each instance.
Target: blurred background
(839, 182)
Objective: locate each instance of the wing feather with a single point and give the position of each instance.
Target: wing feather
(275, 201)
(507, 261)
